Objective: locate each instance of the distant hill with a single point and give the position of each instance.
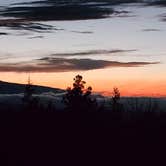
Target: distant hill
(14, 88)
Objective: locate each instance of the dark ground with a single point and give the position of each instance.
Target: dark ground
(29, 139)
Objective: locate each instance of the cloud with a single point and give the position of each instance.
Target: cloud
(26, 14)
(92, 52)
(83, 32)
(57, 10)
(151, 30)
(158, 3)
(36, 37)
(69, 10)
(163, 17)
(64, 10)
(63, 65)
(3, 33)
(23, 24)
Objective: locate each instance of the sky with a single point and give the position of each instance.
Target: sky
(125, 49)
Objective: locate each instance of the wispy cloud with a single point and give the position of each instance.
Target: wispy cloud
(3, 33)
(36, 37)
(93, 52)
(83, 32)
(163, 17)
(151, 30)
(23, 24)
(157, 2)
(64, 65)
(57, 10)
(70, 10)
(26, 14)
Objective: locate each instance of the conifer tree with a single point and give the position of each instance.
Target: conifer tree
(78, 98)
(30, 103)
(28, 91)
(115, 100)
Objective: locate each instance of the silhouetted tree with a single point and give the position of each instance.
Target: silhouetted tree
(30, 103)
(28, 91)
(115, 100)
(115, 95)
(78, 98)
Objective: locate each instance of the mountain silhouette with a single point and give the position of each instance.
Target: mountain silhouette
(14, 88)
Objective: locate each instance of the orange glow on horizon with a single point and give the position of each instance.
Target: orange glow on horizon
(100, 84)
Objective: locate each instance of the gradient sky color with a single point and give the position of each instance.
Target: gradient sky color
(141, 30)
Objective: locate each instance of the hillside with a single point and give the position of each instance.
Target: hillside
(14, 88)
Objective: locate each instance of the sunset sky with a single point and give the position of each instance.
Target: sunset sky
(125, 49)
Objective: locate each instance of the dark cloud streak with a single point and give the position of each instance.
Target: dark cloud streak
(158, 3)
(65, 65)
(26, 14)
(151, 30)
(3, 33)
(55, 11)
(22, 24)
(83, 32)
(93, 52)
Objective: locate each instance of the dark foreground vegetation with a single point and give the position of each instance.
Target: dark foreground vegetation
(79, 103)
(81, 134)
(80, 139)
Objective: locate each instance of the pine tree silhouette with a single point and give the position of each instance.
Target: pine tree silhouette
(28, 90)
(30, 103)
(78, 98)
(115, 95)
(116, 106)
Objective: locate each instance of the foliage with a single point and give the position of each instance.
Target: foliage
(116, 106)
(78, 98)
(115, 95)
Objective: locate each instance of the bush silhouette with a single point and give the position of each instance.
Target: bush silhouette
(78, 98)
